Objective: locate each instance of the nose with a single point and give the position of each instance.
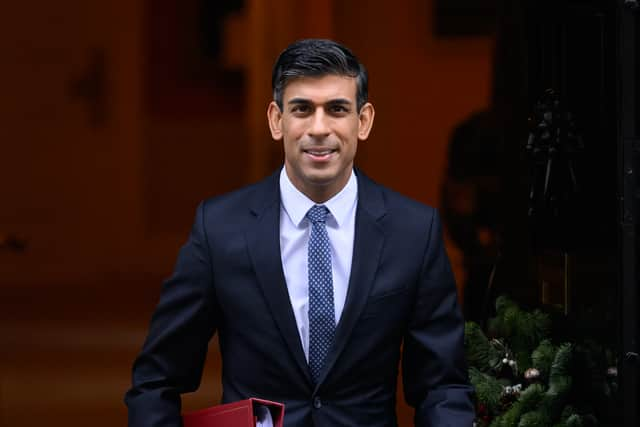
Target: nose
(319, 126)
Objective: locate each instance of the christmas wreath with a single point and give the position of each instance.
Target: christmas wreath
(522, 378)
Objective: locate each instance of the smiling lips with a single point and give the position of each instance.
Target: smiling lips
(319, 155)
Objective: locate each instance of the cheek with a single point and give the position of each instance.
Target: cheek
(350, 133)
(352, 148)
(350, 139)
(290, 147)
(294, 128)
(292, 139)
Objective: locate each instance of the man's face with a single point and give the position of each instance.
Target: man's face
(320, 127)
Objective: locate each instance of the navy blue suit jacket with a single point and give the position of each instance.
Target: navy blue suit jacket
(401, 306)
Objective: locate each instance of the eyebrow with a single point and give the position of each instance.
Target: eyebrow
(337, 101)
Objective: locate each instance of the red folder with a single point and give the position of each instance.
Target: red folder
(236, 414)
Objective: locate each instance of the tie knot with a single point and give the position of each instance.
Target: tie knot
(318, 214)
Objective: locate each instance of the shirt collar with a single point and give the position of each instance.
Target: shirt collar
(296, 204)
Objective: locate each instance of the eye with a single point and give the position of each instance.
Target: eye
(301, 109)
(338, 109)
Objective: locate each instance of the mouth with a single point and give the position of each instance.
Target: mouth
(319, 154)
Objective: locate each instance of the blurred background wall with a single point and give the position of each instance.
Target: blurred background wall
(117, 117)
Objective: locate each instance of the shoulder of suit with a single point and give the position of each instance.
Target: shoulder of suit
(258, 194)
(394, 200)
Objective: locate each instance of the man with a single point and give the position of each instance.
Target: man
(313, 278)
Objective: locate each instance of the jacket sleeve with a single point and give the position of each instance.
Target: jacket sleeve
(433, 363)
(173, 355)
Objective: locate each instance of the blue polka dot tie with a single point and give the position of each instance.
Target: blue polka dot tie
(322, 323)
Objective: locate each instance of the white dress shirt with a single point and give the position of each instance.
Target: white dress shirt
(295, 230)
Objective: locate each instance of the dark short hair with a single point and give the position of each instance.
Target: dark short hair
(317, 58)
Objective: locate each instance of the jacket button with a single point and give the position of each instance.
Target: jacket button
(317, 403)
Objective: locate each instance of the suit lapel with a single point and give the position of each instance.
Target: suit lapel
(263, 241)
(368, 243)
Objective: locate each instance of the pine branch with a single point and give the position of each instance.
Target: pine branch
(528, 400)
(559, 382)
(488, 389)
(535, 419)
(522, 330)
(542, 358)
(481, 354)
(559, 375)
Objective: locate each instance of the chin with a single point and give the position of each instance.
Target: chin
(320, 180)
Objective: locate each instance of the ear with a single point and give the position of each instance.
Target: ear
(365, 121)
(274, 116)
